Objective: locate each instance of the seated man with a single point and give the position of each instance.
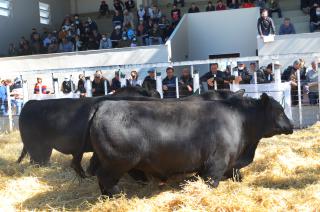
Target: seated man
(176, 2)
(169, 84)
(149, 81)
(312, 84)
(315, 18)
(185, 83)
(220, 5)
(104, 9)
(117, 19)
(268, 73)
(290, 75)
(213, 77)
(193, 8)
(234, 4)
(256, 75)
(154, 35)
(175, 14)
(40, 87)
(287, 27)
(274, 6)
(243, 74)
(98, 84)
(115, 83)
(210, 7)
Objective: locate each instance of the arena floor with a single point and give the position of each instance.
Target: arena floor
(284, 176)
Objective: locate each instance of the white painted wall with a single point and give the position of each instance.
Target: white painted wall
(25, 16)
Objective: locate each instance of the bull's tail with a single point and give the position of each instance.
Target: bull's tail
(23, 154)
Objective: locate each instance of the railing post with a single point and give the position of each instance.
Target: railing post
(215, 82)
(159, 84)
(196, 82)
(25, 92)
(177, 88)
(9, 108)
(56, 87)
(105, 87)
(299, 98)
(88, 87)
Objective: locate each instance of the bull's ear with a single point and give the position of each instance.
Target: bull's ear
(240, 92)
(264, 99)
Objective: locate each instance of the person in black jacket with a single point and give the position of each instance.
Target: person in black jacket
(213, 76)
(98, 88)
(169, 84)
(259, 74)
(243, 73)
(81, 86)
(265, 24)
(314, 18)
(104, 9)
(185, 83)
(268, 74)
(290, 75)
(129, 5)
(149, 81)
(193, 8)
(210, 7)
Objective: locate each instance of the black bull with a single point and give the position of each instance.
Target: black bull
(166, 138)
(63, 124)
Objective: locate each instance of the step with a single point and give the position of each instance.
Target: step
(297, 19)
(299, 27)
(291, 13)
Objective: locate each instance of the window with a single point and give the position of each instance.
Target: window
(5, 7)
(44, 10)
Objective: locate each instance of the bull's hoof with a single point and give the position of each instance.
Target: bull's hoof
(110, 192)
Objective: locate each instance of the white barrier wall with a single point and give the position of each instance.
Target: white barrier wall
(25, 16)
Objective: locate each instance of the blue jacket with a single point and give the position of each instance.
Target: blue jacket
(171, 84)
(3, 93)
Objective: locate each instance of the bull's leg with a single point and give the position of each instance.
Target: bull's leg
(138, 175)
(234, 174)
(76, 165)
(108, 179)
(40, 154)
(93, 165)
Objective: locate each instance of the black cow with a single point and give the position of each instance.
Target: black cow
(166, 138)
(63, 124)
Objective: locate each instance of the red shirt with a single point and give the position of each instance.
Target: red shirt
(247, 5)
(222, 7)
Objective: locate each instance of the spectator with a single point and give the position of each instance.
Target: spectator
(242, 72)
(66, 46)
(117, 19)
(53, 47)
(234, 4)
(115, 84)
(305, 6)
(220, 5)
(134, 79)
(312, 84)
(92, 44)
(116, 36)
(104, 9)
(247, 4)
(287, 27)
(164, 25)
(269, 75)
(155, 14)
(214, 76)
(175, 14)
(210, 7)
(37, 86)
(154, 35)
(141, 13)
(127, 18)
(118, 5)
(149, 81)
(265, 24)
(81, 86)
(227, 77)
(290, 75)
(98, 84)
(3, 98)
(33, 34)
(78, 44)
(260, 78)
(314, 18)
(17, 95)
(48, 40)
(24, 47)
(176, 2)
(260, 3)
(129, 4)
(169, 84)
(193, 8)
(36, 44)
(92, 25)
(185, 83)
(303, 70)
(67, 86)
(274, 6)
(105, 42)
(12, 51)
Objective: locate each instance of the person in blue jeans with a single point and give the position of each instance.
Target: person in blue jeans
(3, 98)
(169, 84)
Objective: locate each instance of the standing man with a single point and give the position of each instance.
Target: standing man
(149, 81)
(214, 76)
(254, 72)
(265, 24)
(290, 75)
(312, 84)
(169, 84)
(186, 83)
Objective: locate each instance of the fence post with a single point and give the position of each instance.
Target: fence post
(299, 98)
(25, 91)
(88, 87)
(123, 81)
(196, 82)
(105, 82)
(215, 82)
(56, 87)
(72, 87)
(177, 88)
(9, 108)
(159, 84)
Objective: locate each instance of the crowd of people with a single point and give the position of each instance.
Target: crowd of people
(133, 26)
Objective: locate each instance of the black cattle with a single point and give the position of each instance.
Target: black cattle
(63, 124)
(166, 138)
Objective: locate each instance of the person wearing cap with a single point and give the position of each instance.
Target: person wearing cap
(98, 88)
(169, 84)
(104, 9)
(259, 74)
(214, 75)
(185, 83)
(312, 84)
(149, 81)
(243, 74)
(37, 86)
(290, 75)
